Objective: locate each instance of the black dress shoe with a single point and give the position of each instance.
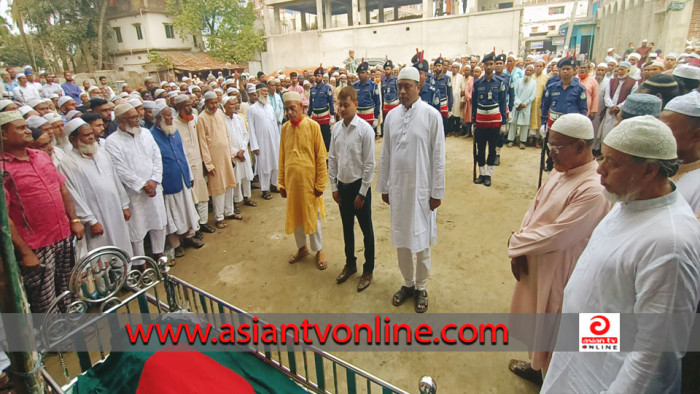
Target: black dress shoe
(207, 228)
(479, 180)
(498, 161)
(347, 273)
(487, 181)
(274, 189)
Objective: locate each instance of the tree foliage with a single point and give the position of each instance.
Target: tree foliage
(226, 25)
(13, 52)
(160, 60)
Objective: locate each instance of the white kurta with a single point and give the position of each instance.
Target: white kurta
(689, 187)
(137, 160)
(524, 94)
(264, 136)
(643, 257)
(411, 171)
(239, 141)
(609, 120)
(180, 211)
(98, 197)
(190, 142)
(458, 85)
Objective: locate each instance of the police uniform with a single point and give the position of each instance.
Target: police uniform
(390, 91)
(558, 101)
(443, 84)
(367, 97)
(428, 93)
(321, 107)
(510, 101)
(488, 113)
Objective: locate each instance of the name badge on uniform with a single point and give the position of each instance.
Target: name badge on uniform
(490, 95)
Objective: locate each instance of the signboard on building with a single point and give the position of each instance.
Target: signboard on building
(536, 44)
(558, 41)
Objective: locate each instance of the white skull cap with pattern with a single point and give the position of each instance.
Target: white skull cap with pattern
(643, 136)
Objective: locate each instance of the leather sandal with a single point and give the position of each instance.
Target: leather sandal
(402, 295)
(421, 301)
(525, 371)
(296, 256)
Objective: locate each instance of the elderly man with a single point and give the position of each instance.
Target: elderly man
(138, 163)
(457, 109)
(614, 93)
(524, 91)
(215, 147)
(239, 136)
(182, 217)
(635, 71)
(411, 179)
(264, 141)
(100, 200)
(275, 99)
(555, 231)
(682, 115)
(186, 125)
(592, 88)
(626, 268)
(351, 169)
(41, 212)
(302, 179)
(541, 78)
(66, 104)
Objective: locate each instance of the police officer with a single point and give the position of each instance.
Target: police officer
(390, 91)
(564, 95)
(489, 114)
(428, 92)
(499, 69)
(443, 84)
(367, 96)
(321, 107)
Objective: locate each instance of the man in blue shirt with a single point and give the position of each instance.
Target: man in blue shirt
(71, 88)
(489, 115)
(321, 107)
(390, 91)
(499, 66)
(367, 96)
(443, 84)
(183, 219)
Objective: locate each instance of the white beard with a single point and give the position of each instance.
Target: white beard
(262, 100)
(134, 130)
(60, 141)
(88, 149)
(527, 79)
(628, 197)
(168, 129)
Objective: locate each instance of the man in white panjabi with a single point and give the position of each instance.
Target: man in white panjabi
(238, 134)
(524, 91)
(614, 91)
(411, 180)
(642, 258)
(137, 161)
(99, 197)
(182, 217)
(186, 125)
(216, 155)
(682, 115)
(264, 141)
(457, 110)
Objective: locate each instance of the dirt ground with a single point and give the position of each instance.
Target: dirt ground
(246, 264)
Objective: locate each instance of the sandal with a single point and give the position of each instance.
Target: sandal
(236, 216)
(321, 264)
(296, 257)
(250, 203)
(525, 371)
(220, 224)
(5, 382)
(402, 295)
(421, 301)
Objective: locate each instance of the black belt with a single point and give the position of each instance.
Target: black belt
(354, 183)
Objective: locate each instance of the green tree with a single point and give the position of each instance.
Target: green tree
(226, 26)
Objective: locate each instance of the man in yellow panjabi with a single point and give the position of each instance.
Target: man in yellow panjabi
(302, 179)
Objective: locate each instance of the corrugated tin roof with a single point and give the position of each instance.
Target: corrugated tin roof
(198, 61)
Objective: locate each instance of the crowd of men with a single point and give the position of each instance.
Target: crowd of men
(614, 228)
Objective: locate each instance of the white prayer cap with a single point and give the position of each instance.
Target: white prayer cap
(291, 96)
(160, 108)
(634, 55)
(160, 101)
(611, 49)
(643, 136)
(306, 82)
(5, 103)
(613, 61)
(343, 76)
(336, 74)
(687, 104)
(172, 85)
(225, 100)
(657, 63)
(72, 114)
(158, 92)
(232, 90)
(35, 122)
(53, 117)
(183, 98)
(9, 116)
(410, 73)
(276, 80)
(574, 125)
(602, 65)
(672, 54)
(114, 98)
(73, 125)
(210, 95)
(135, 102)
(163, 83)
(645, 40)
(173, 93)
(121, 109)
(54, 96)
(195, 87)
(625, 64)
(218, 90)
(541, 61)
(687, 71)
(25, 109)
(184, 79)
(93, 88)
(123, 94)
(456, 64)
(229, 81)
(284, 77)
(250, 88)
(530, 66)
(35, 102)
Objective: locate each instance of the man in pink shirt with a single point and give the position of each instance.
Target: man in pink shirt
(554, 232)
(295, 87)
(42, 216)
(592, 88)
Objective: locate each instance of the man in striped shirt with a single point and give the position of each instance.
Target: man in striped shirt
(489, 113)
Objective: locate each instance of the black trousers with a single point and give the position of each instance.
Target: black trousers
(348, 192)
(446, 125)
(455, 123)
(486, 135)
(326, 133)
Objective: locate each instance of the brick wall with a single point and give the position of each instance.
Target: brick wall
(694, 28)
